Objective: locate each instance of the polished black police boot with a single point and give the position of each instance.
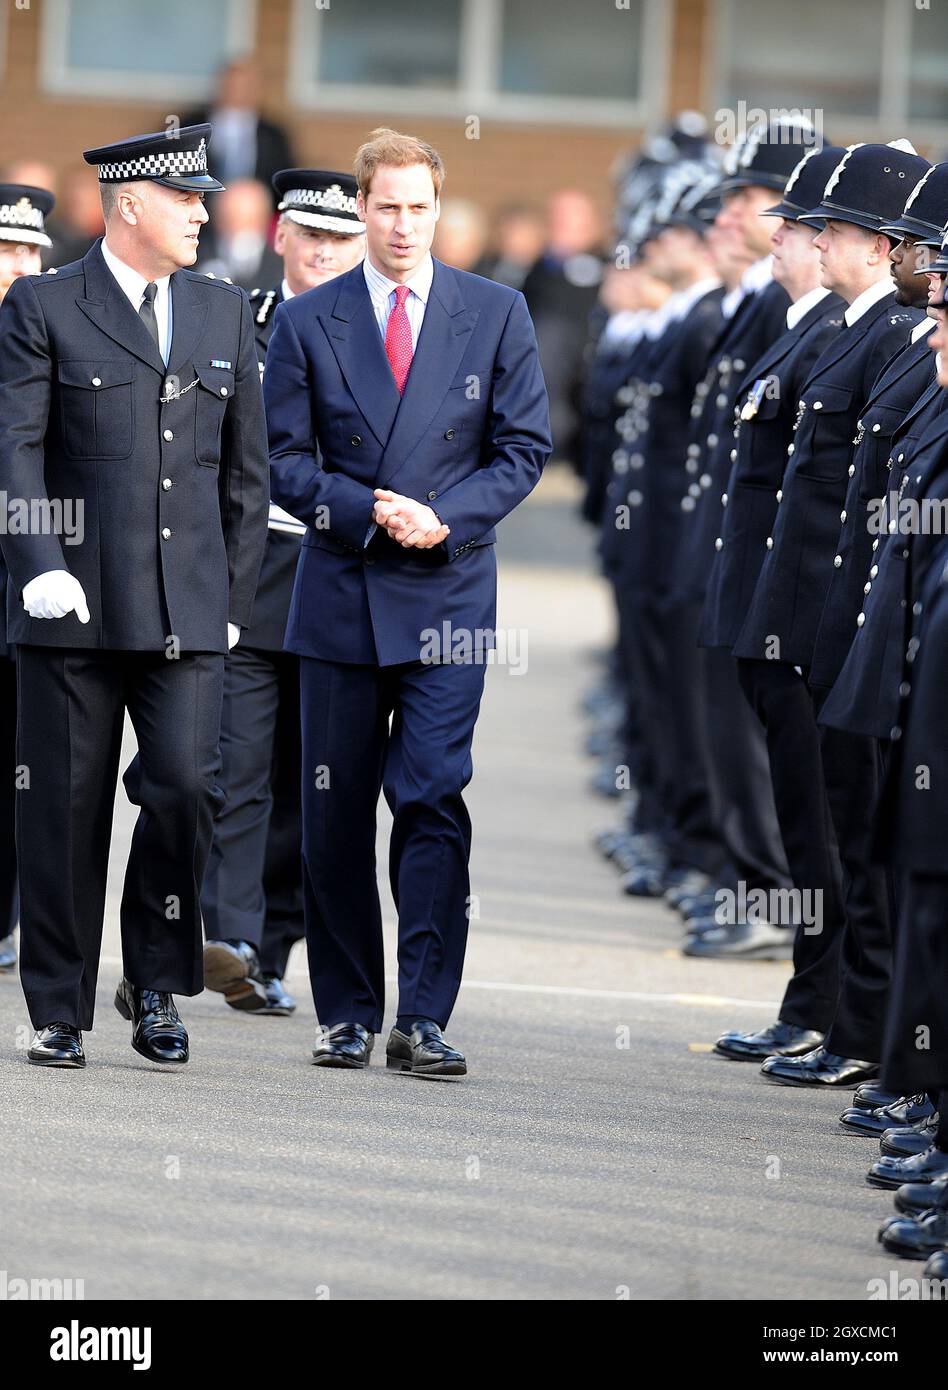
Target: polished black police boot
(157, 1031)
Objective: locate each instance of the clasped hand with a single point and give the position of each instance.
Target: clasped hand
(408, 522)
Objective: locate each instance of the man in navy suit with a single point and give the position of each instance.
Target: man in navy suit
(407, 415)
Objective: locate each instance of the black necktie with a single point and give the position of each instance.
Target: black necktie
(147, 314)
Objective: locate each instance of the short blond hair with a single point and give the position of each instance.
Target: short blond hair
(396, 151)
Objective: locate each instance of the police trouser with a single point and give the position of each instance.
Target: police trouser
(253, 888)
(854, 768)
(779, 696)
(9, 897)
(915, 1052)
(72, 705)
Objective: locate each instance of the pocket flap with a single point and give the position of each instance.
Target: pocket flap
(95, 375)
(826, 399)
(218, 380)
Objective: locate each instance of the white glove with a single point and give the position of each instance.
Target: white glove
(233, 636)
(54, 594)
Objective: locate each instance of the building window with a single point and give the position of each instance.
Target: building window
(872, 67)
(372, 43)
(598, 62)
(110, 48)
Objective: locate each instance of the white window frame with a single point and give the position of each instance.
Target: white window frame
(478, 91)
(893, 120)
(58, 79)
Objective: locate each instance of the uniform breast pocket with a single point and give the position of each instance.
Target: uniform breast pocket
(97, 408)
(212, 395)
(832, 426)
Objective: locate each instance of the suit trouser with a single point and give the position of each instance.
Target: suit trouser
(779, 696)
(742, 797)
(9, 897)
(854, 768)
(253, 887)
(72, 705)
(423, 763)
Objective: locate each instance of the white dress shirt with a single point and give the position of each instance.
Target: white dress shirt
(382, 293)
(865, 301)
(133, 286)
(801, 307)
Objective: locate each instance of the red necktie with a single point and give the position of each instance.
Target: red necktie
(398, 348)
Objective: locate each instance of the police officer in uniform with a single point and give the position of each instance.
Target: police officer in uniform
(129, 386)
(867, 191)
(23, 210)
(253, 890)
(767, 407)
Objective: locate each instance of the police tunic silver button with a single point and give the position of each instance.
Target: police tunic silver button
(901, 457)
(223, 390)
(705, 480)
(842, 515)
(817, 405)
(779, 494)
(712, 440)
(860, 620)
(867, 586)
(168, 436)
(917, 610)
(723, 499)
(720, 401)
(790, 448)
(875, 544)
(96, 381)
(694, 490)
(874, 571)
(852, 469)
(905, 689)
(876, 429)
(166, 534)
(167, 484)
(734, 456)
(895, 733)
(837, 561)
(719, 544)
(770, 542)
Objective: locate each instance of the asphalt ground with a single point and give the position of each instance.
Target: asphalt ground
(596, 1150)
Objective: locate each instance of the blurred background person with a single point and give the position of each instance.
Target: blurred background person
(246, 144)
(561, 290)
(461, 236)
(237, 239)
(78, 220)
(517, 236)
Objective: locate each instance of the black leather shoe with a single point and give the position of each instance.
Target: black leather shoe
(425, 1053)
(234, 971)
(937, 1268)
(157, 1030)
(647, 880)
(709, 940)
(344, 1045)
(279, 1003)
(871, 1096)
(916, 1240)
(818, 1068)
(57, 1045)
(8, 953)
(912, 1198)
(907, 1110)
(778, 1040)
(908, 1139)
(929, 1166)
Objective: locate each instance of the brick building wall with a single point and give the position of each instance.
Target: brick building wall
(510, 161)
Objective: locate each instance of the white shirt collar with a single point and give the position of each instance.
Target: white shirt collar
(130, 280)
(624, 326)
(758, 275)
(285, 289)
(731, 300)
(801, 307)
(684, 300)
(865, 301)
(419, 282)
(921, 329)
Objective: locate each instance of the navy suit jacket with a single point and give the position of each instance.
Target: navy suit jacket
(469, 437)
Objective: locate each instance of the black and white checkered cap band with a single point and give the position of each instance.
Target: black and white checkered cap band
(170, 165)
(330, 199)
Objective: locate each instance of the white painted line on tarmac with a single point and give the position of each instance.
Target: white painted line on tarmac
(711, 1001)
